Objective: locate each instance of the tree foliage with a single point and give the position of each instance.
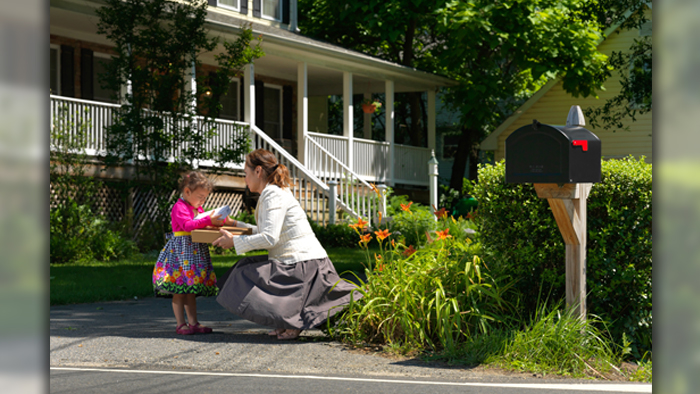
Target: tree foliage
(633, 66)
(157, 130)
(499, 52)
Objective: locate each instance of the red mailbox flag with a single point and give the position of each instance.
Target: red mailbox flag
(581, 143)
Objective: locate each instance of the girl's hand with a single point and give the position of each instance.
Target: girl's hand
(217, 221)
(225, 240)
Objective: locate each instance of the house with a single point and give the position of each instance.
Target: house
(551, 104)
(279, 100)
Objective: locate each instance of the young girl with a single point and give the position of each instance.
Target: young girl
(184, 268)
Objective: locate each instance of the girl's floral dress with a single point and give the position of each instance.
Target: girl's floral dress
(184, 267)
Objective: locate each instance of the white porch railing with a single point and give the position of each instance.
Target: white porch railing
(312, 193)
(353, 194)
(410, 165)
(370, 159)
(71, 114)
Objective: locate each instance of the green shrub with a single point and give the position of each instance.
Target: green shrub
(412, 225)
(76, 234)
(521, 240)
(335, 235)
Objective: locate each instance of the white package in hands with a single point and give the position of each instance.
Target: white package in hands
(218, 213)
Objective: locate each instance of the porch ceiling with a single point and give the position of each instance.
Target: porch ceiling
(283, 51)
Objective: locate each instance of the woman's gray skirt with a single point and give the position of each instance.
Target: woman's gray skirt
(291, 296)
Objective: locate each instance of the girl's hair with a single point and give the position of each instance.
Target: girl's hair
(277, 174)
(194, 180)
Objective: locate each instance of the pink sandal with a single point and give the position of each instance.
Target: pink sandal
(184, 329)
(200, 329)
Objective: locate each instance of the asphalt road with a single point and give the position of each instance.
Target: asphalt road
(131, 347)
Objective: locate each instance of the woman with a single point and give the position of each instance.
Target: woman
(293, 288)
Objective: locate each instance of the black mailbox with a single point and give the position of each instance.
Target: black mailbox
(540, 153)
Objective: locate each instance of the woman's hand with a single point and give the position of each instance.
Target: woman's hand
(225, 240)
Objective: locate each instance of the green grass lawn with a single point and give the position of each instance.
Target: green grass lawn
(126, 279)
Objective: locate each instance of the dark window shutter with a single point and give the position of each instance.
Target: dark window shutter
(285, 11)
(87, 90)
(213, 3)
(244, 7)
(241, 113)
(260, 104)
(256, 9)
(287, 112)
(67, 72)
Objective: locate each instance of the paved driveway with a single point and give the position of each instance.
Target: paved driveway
(139, 335)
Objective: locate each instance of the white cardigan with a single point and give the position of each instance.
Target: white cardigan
(282, 229)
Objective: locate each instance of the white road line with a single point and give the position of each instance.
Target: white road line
(619, 388)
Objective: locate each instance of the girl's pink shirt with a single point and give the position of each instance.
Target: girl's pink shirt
(183, 217)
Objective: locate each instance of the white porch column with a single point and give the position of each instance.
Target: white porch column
(431, 119)
(433, 176)
(192, 86)
(367, 127)
(302, 110)
(389, 130)
(249, 94)
(348, 124)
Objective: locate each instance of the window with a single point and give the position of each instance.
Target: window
(100, 61)
(640, 82)
(55, 71)
(273, 111)
(229, 102)
(231, 4)
(645, 29)
(272, 9)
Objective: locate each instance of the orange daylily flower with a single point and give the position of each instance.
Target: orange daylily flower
(380, 267)
(407, 208)
(378, 257)
(409, 251)
(393, 244)
(379, 215)
(430, 240)
(364, 239)
(360, 225)
(441, 214)
(381, 235)
(374, 187)
(443, 234)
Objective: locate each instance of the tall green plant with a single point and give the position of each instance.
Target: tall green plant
(158, 44)
(521, 239)
(432, 297)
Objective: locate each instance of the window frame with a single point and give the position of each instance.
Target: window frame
(95, 80)
(280, 131)
(238, 100)
(269, 18)
(633, 102)
(230, 7)
(58, 68)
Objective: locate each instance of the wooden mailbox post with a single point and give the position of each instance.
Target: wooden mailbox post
(568, 204)
(562, 162)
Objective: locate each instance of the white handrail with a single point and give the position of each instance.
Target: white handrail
(312, 193)
(354, 194)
